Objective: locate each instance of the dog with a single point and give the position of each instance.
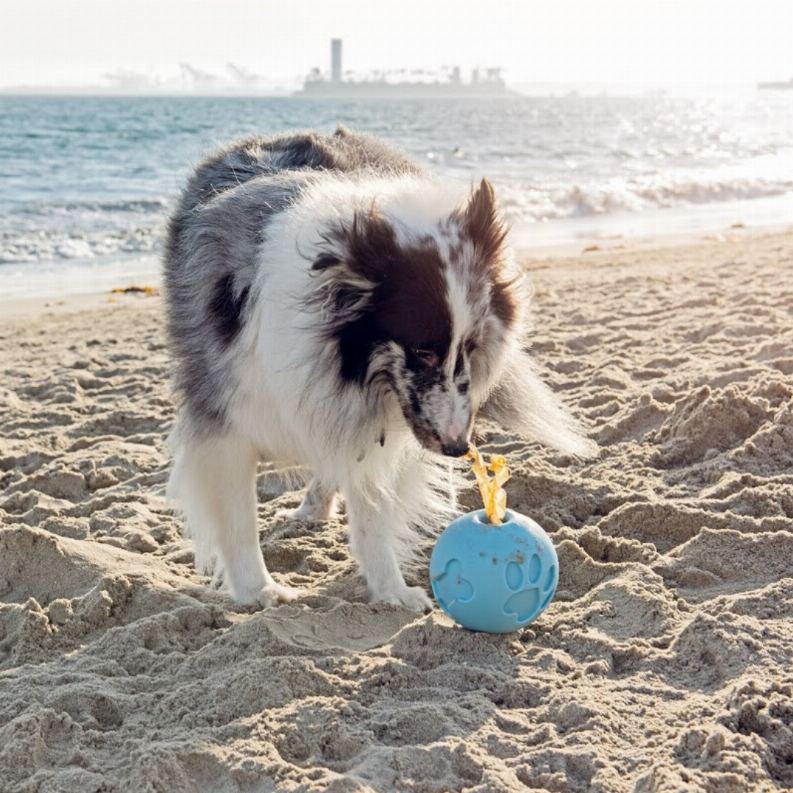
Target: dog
(331, 304)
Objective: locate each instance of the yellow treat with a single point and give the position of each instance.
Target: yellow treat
(493, 494)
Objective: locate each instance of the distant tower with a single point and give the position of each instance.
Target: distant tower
(335, 60)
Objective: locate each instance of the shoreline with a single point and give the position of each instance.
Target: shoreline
(658, 228)
(69, 286)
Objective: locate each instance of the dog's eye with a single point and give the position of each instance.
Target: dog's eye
(427, 357)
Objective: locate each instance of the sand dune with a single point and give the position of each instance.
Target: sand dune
(664, 664)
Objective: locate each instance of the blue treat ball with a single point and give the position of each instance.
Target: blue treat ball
(494, 579)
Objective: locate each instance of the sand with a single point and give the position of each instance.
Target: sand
(663, 664)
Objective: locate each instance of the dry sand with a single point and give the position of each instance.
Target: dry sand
(664, 663)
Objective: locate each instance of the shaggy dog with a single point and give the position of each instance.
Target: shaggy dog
(333, 305)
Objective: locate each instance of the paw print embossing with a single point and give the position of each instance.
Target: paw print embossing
(451, 587)
(526, 603)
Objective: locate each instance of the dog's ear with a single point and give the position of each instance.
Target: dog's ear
(351, 263)
(371, 245)
(363, 247)
(326, 259)
(485, 227)
(483, 223)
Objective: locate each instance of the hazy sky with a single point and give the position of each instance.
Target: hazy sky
(639, 42)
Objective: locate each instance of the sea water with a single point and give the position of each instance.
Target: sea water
(86, 182)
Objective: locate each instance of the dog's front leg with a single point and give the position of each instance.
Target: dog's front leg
(214, 482)
(372, 531)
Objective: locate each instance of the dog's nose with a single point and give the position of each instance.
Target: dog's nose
(454, 448)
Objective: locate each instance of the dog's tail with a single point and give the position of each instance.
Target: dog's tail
(522, 403)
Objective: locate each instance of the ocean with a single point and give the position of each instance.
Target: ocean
(86, 182)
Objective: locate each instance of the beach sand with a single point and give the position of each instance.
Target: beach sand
(665, 663)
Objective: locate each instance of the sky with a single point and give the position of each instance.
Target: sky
(642, 43)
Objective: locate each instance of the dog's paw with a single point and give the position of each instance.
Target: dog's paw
(412, 597)
(319, 503)
(273, 594)
(307, 513)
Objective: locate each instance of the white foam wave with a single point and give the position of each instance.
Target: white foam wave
(60, 245)
(559, 201)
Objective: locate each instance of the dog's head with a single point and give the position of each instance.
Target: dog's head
(425, 310)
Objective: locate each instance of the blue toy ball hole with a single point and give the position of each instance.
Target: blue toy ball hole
(453, 584)
(514, 576)
(535, 569)
(524, 605)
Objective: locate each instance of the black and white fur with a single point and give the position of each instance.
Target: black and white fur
(333, 305)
